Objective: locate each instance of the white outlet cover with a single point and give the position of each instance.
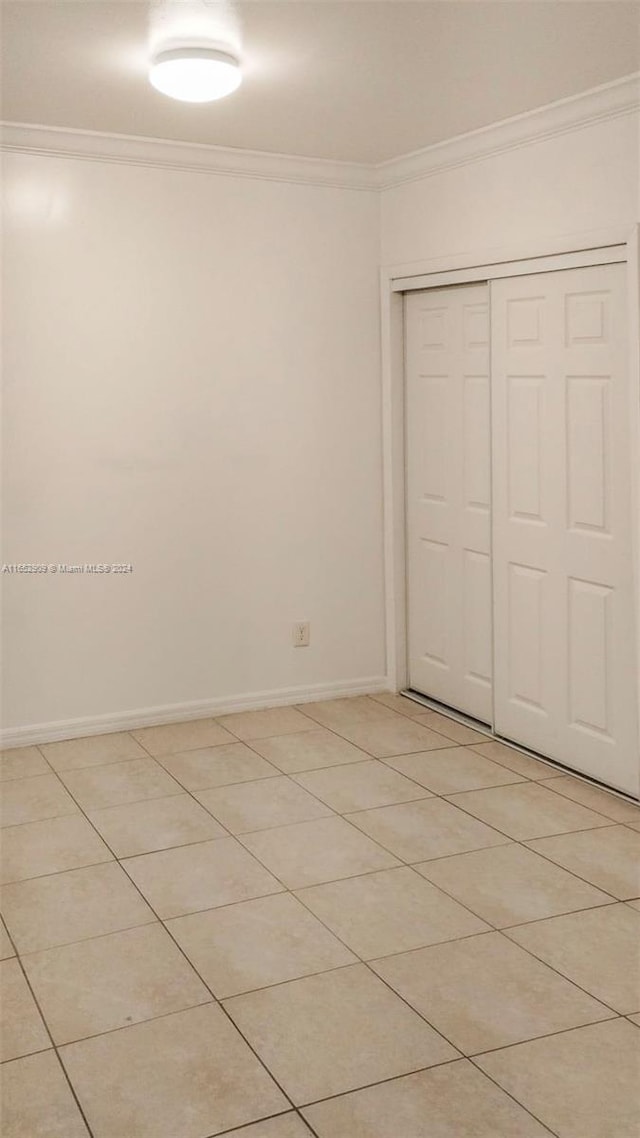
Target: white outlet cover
(301, 634)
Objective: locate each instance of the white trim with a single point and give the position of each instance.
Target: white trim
(633, 289)
(614, 254)
(609, 101)
(393, 403)
(599, 104)
(508, 254)
(393, 472)
(181, 712)
(129, 150)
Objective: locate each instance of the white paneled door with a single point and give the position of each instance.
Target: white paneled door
(565, 678)
(448, 427)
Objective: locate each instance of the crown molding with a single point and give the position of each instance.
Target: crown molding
(130, 150)
(610, 101)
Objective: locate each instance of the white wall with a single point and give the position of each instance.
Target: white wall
(192, 386)
(585, 179)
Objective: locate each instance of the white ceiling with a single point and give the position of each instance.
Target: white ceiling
(360, 80)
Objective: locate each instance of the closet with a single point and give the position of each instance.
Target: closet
(520, 586)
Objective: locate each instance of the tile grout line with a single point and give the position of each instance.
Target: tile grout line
(195, 970)
(27, 1054)
(459, 1054)
(334, 813)
(558, 794)
(495, 1082)
(137, 1023)
(221, 1003)
(290, 775)
(572, 872)
(54, 1046)
(547, 1035)
(367, 965)
(492, 929)
(346, 817)
(557, 768)
(290, 892)
(425, 1070)
(568, 913)
(472, 912)
(593, 809)
(489, 738)
(503, 932)
(268, 1118)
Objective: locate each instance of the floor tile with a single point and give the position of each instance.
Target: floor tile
(261, 724)
(22, 762)
(608, 858)
(484, 992)
(130, 1000)
(6, 947)
(156, 824)
(416, 831)
(23, 1031)
(528, 810)
(105, 983)
(37, 1101)
(72, 754)
(285, 1126)
(112, 785)
(450, 728)
(189, 1075)
(331, 1033)
(217, 766)
(453, 769)
(515, 760)
(56, 844)
(33, 799)
(360, 786)
(261, 805)
(336, 713)
(203, 876)
(581, 1083)
(453, 1101)
(75, 905)
(399, 703)
(618, 809)
(188, 736)
(599, 949)
(508, 885)
(257, 943)
(383, 739)
(387, 912)
(311, 852)
(309, 750)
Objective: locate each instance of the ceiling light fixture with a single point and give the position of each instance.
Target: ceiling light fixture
(195, 74)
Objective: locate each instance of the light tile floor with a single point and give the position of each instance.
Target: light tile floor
(349, 919)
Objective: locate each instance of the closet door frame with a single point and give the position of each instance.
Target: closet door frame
(574, 251)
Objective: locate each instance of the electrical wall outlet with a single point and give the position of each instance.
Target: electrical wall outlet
(301, 634)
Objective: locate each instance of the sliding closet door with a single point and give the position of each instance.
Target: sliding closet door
(565, 680)
(448, 494)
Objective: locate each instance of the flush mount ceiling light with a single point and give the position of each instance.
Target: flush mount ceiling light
(195, 74)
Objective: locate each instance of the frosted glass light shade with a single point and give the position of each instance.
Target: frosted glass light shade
(195, 74)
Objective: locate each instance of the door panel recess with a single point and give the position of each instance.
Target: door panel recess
(449, 497)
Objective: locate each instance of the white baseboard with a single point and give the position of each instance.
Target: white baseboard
(175, 712)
